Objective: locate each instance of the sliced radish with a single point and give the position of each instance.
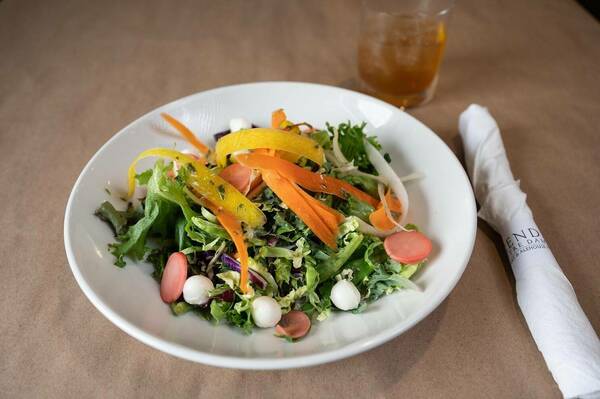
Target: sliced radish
(294, 324)
(173, 278)
(407, 246)
(238, 176)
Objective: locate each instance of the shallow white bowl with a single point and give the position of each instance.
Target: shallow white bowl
(442, 205)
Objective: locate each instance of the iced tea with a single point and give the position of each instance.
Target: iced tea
(399, 56)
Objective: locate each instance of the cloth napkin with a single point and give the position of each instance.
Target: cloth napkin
(557, 323)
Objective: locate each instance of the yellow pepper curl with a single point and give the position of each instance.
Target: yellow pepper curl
(275, 139)
(205, 182)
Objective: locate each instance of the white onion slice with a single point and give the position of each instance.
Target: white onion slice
(386, 207)
(412, 176)
(337, 151)
(386, 171)
(356, 172)
(345, 168)
(331, 158)
(366, 228)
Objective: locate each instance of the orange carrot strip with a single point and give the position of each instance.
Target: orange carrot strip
(379, 218)
(305, 178)
(186, 133)
(279, 121)
(255, 191)
(285, 190)
(234, 229)
(256, 181)
(393, 203)
(266, 151)
(277, 118)
(330, 216)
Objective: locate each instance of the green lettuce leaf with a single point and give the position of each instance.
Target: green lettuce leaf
(334, 263)
(117, 220)
(351, 139)
(354, 207)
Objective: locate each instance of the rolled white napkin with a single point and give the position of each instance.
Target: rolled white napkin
(557, 323)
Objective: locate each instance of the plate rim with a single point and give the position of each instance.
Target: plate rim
(235, 362)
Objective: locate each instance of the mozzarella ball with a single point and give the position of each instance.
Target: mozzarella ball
(195, 290)
(345, 295)
(236, 124)
(266, 312)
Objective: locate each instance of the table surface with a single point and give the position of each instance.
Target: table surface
(72, 73)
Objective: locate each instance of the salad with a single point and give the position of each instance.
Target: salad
(273, 227)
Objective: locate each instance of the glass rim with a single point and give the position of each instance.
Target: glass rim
(445, 11)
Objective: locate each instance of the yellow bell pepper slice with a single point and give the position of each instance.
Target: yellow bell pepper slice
(208, 184)
(250, 139)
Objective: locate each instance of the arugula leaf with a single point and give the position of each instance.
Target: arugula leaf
(119, 221)
(361, 270)
(181, 307)
(287, 301)
(181, 238)
(237, 314)
(219, 309)
(382, 283)
(275, 252)
(114, 218)
(312, 279)
(132, 243)
(158, 258)
(364, 183)
(410, 226)
(351, 139)
(168, 189)
(322, 138)
(283, 270)
(409, 270)
(160, 209)
(212, 229)
(331, 266)
(144, 177)
(375, 254)
(355, 207)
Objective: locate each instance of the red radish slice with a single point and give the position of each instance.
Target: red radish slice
(238, 176)
(294, 324)
(173, 278)
(407, 246)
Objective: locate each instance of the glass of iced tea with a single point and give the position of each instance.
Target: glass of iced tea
(401, 47)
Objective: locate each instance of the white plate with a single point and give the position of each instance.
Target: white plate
(442, 204)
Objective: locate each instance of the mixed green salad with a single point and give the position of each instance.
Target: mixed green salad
(273, 227)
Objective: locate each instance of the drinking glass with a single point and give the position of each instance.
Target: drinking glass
(401, 47)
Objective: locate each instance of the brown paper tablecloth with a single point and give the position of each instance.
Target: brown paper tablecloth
(72, 73)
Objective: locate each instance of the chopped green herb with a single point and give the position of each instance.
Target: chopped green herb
(221, 190)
